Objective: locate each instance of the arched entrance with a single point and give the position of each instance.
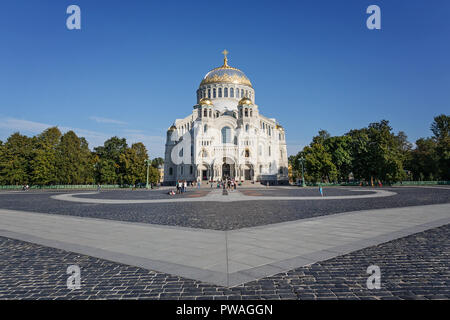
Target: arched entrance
(248, 171)
(226, 171)
(228, 168)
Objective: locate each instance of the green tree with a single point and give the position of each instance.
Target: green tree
(44, 167)
(15, 160)
(107, 171)
(423, 161)
(75, 162)
(107, 158)
(340, 151)
(318, 164)
(377, 153)
(132, 164)
(156, 162)
(441, 130)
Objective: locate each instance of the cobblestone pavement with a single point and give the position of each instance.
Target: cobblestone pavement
(414, 267)
(219, 216)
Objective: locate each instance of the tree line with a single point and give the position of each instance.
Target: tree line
(51, 158)
(376, 153)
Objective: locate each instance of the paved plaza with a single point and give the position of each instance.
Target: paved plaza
(254, 242)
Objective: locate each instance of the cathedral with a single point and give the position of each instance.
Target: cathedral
(225, 136)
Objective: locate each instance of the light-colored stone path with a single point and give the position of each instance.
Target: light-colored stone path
(216, 196)
(224, 258)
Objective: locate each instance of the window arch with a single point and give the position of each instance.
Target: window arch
(170, 171)
(214, 93)
(220, 92)
(226, 135)
(231, 92)
(247, 153)
(205, 128)
(246, 127)
(225, 92)
(205, 112)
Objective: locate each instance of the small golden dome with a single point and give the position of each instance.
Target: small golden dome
(206, 101)
(279, 126)
(245, 101)
(172, 128)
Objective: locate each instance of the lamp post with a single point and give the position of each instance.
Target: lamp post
(301, 160)
(147, 162)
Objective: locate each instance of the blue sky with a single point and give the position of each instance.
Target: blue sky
(135, 65)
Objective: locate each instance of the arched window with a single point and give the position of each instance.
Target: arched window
(225, 92)
(247, 153)
(205, 128)
(220, 92)
(251, 113)
(270, 151)
(170, 171)
(214, 93)
(210, 114)
(237, 92)
(260, 169)
(242, 93)
(246, 127)
(246, 112)
(231, 92)
(226, 135)
(209, 93)
(205, 112)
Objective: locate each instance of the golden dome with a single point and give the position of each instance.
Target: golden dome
(279, 126)
(226, 74)
(245, 101)
(206, 101)
(172, 128)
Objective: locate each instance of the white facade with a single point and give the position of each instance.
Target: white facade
(225, 136)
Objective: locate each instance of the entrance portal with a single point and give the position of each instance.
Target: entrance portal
(204, 175)
(226, 171)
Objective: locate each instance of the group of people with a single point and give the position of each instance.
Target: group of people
(181, 186)
(229, 184)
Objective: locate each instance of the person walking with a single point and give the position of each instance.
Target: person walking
(185, 185)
